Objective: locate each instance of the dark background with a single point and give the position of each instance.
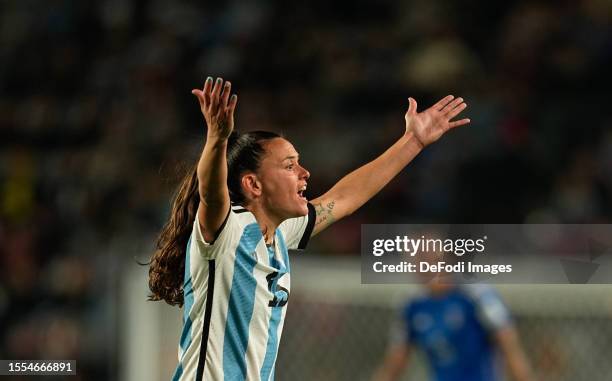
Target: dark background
(97, 126)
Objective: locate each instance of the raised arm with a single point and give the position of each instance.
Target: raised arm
(218, 109)
(356, 188)
(509, 343)
(394, 363)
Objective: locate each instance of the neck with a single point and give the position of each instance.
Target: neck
(438, 289)
(267, 222)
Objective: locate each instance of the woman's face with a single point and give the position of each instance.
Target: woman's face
(283, 180)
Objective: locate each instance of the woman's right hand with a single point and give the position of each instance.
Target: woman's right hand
(217, 107)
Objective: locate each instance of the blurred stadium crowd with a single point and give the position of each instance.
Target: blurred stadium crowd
(96, 119)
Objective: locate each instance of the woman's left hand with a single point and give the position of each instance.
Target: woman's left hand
(429, 125)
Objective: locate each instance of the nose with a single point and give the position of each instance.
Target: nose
(304, 173)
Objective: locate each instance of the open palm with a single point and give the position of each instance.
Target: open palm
(429, 125)
(217, 107)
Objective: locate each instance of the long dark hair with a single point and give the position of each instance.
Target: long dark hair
(167, 266)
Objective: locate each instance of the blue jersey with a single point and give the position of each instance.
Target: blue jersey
(454, 330)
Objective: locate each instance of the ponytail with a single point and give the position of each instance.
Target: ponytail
(168, 263)
(167, 266)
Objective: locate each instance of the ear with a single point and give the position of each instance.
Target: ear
(251, 186)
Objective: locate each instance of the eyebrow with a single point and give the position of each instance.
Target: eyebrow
(291, 157)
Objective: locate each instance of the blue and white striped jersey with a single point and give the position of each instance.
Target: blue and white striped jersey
(236, 290)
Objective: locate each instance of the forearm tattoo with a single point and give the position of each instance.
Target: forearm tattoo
(325, 215)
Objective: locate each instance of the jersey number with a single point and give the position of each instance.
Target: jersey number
(281, 294)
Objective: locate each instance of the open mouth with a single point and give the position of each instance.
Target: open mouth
(301, 192)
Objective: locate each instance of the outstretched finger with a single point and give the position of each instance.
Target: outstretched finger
(206, 90)
(459, 123)
(412, 106)
(200, 95)
(231, 105)
(456, 111)
(442, 102)
(226, 94)
(451, 105)
(214, 95)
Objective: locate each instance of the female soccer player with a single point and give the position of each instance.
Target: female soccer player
(223, 253)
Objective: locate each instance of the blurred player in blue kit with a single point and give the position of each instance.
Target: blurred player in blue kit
(461, 329)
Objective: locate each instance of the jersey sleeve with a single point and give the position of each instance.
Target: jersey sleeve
(490, 309)
(227, 238)
(297, 231)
